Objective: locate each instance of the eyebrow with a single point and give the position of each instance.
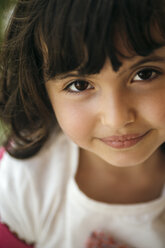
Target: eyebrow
(148, 59)
(152, 58)
(68, 75)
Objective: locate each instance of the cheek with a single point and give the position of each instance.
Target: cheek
(154, 110)
(161, 117)
(77, 121)
(158, 112)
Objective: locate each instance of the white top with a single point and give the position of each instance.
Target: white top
(40, 200)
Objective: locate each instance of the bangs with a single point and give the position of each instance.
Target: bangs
(81, 35)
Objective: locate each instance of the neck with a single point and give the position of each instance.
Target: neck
(107, 183)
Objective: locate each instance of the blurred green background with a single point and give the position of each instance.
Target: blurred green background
(6, 7)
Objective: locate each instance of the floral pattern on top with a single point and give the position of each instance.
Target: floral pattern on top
(103, 240)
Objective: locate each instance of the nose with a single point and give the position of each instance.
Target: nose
(117, 110)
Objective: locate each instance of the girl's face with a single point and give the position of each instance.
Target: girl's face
(118, 117)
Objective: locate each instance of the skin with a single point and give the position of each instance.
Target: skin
(116, 103)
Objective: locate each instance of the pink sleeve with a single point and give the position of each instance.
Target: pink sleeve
(2, 151)
(9, 240)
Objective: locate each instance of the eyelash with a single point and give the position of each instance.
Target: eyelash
(145, 70)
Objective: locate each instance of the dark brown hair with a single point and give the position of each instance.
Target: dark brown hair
(46, 38)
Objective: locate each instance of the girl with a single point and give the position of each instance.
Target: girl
(82, 91)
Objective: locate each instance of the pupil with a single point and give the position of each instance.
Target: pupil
(146, 74)
(81, 85)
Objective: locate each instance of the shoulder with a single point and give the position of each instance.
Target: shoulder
(52, 154)
(51, 158)
(30, 187)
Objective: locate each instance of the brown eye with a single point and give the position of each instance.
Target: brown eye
(81, 85)
(78, 86)
(146, 74)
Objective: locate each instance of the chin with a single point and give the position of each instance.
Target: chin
(126, 160)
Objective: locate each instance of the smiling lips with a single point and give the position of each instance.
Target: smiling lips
(124, 141)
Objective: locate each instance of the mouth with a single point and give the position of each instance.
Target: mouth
(124, 141)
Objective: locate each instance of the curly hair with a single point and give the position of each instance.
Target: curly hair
(46, 38)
